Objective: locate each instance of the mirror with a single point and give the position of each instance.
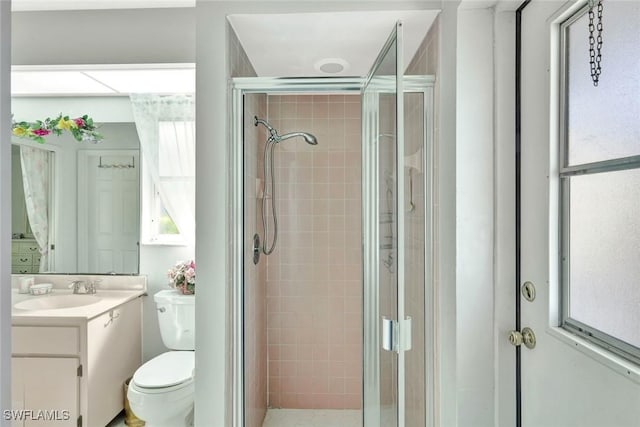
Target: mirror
(75, 205)
(85, 208)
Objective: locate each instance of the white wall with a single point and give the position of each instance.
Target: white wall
(504, 219)
(485, 216)
(474, 217)
(5, 210)
(131, 36)
(445, 214)
(102, 109)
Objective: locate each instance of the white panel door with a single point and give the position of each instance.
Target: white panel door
(563, 384)
(108, 211)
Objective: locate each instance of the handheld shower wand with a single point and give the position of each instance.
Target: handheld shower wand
(269, 187)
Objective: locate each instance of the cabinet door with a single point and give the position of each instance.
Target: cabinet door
(114, 353)
(47, 389)
(17, 390)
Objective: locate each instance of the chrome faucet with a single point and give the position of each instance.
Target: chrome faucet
(76, 286)
(89, 287)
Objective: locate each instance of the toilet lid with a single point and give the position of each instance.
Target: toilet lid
(168, 369)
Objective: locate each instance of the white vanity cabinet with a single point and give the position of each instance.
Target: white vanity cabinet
(46, 383)
(77, 365)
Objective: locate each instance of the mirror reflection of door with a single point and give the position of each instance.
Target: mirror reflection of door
(108, 211)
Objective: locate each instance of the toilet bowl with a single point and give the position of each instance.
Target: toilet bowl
(161, 392)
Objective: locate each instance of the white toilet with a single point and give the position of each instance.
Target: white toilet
(162, 392)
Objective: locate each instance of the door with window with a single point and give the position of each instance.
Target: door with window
(580, 216)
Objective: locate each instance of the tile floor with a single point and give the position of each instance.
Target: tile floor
(312, 418)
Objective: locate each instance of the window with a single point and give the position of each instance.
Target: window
(158, 226)
(600, 181)
(166, 127)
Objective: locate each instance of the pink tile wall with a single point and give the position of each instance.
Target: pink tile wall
(314, 294)
(415, 360)
(255, 332)
(425, 61)
(387, 271)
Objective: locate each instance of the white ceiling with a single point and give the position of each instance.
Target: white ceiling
(32, 5)
(111, 80)
(288, 45)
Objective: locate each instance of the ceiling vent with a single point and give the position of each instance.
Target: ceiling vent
(331, 65)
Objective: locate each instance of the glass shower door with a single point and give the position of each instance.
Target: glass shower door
(385, 337)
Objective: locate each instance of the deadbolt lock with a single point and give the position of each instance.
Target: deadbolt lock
(526, 337)
(528, 291)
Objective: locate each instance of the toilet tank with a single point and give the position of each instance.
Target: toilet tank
(177, 320)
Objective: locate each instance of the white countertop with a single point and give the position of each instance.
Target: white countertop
(106, 300)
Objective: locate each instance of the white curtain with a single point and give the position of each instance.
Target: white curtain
(166, 127)
(35, 178)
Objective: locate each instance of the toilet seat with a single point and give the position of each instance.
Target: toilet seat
(169, 371)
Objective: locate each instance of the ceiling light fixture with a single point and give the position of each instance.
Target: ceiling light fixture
(331, 65)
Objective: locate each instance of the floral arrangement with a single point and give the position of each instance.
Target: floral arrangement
(81, 128)
(183, 277)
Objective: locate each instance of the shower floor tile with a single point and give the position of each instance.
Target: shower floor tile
(312, 418)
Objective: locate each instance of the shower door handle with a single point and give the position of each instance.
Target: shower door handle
(396, 336)
(389, 334)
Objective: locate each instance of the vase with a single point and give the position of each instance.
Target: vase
(184, 290)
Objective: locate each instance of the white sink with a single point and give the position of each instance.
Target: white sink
(53, 302)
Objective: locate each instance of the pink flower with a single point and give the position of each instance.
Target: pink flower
(79, 122)
(41, 132)
(182, 274)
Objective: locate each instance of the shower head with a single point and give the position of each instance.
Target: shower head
(310, 139)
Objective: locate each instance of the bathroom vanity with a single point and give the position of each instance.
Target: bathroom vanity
(71, 354)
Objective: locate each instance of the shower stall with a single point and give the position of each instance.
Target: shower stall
(332, 240)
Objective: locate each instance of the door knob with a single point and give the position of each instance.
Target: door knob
(526, 337)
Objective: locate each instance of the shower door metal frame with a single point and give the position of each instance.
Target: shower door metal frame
(371, 252)
(238, 87)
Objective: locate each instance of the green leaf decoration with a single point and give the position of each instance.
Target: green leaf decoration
(81, 128)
